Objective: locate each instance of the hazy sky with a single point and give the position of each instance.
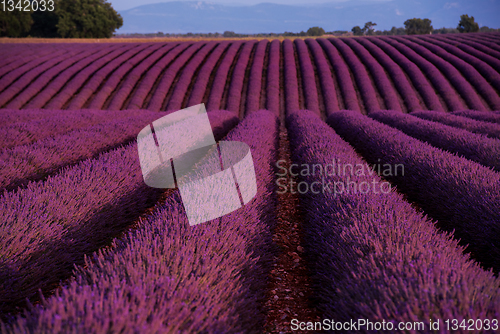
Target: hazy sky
(127, 4)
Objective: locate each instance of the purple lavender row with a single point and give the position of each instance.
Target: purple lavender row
(363, 81)
(372, 255)
(187, 76)
(484, 116)
(416, 76)
(17, 62)
(98, 78)
(158, 98)
(35, 161)
(9, 116)
(342, 73)
(474, 44)
(37, 124)
(445, 186)
(49, 226)
(36, 86)
(463, 66)
(72, 87)
(169, 277)
(325, 76)
(290, 74)
(474, 147)
(203, 77)
(14, 74)
(238, 77)
(132, 79)
(484, 128)
(273, 78)
(440, 83)
(308, 76)
(23, 81)
(378, 74)
(139, 99)
(62, 79)
(486, 42)
(110, 85)
(468, 52)
(401, 82)
(255, 80)
(221, 76)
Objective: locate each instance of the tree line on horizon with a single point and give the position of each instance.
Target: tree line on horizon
(417, 26)
(98, 19)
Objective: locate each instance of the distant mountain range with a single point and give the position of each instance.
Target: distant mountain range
(204, 17)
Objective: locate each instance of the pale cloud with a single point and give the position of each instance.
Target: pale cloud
(450, 5)
(398, 12)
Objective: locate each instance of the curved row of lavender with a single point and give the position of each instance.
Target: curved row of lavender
(325, 76)
(182, 85)
(169, 277)
(422, 85)
(367, 74)
(485, 128)
(255, 80)
(70, 88)
(483, 84)
(478, 148)
(479, 115)
(349, 97)
(219, 84)
(483, 63)
(125, 88)
(238, 77)
(401, 82)
(432, 73)
(158, 97)
(203, 77)
(382, 82)
(143, 89)
(372, 255)
(291, 88)
(308, 76)
(97, 79)
(24, 163)
(12, 74)
(434, 179)
(50, 90)
(49, 225)
(363, 80)
(12, 89)
(273, 78)
(22, 127)
(25, 95)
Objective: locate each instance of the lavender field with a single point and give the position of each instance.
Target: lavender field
(87, 247)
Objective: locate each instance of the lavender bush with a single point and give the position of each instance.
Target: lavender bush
(434, 179)
(484, 128)
(478, 148)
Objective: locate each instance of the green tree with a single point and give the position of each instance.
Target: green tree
(229, 34)
(44, 24)
(315, 31)
(467, 24)
(418, 26)
(357, 31)
(15, 24)
(86, 19)
(368, 28)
